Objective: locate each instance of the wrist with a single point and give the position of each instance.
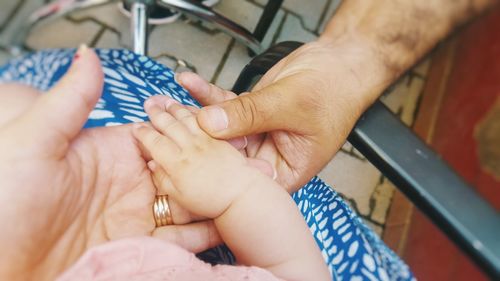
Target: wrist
(399, 33)
(388, 39)
(360, 64)
(251, 181)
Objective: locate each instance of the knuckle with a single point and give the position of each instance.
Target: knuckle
(175, 110)
(184, 161)
(168, 125)
(315, 105)
(246, 111)
(187, 118)
(199, 145)
(157, 140)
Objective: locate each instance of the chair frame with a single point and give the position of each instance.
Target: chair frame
(139, 20)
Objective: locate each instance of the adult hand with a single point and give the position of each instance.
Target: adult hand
(310, 100)
(307, 104)
(64, 190)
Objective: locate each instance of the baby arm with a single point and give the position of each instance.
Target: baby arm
(263, 227)
(255, 216)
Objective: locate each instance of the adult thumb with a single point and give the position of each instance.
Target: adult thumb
(250, 113)
(59, 115)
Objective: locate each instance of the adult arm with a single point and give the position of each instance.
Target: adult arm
(311, 99)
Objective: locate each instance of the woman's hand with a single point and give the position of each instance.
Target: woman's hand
(307, 104)
(63, 190)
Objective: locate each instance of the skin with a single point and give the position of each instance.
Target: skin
(62, 189)
(304, 107)
(192, 168)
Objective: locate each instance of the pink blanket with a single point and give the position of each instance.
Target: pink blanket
(147, 258)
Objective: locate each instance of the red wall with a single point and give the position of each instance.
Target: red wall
(472, 88)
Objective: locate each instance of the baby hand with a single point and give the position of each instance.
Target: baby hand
(202, 174)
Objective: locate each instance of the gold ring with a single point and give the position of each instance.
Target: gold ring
(161, 211)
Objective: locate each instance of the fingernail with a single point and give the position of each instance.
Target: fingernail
(216, 118)
(275, 174)
(177, 78)
(169, 102)
(246, 142)
(148, 103)
(152, 165)
(81, 50)
(239, 143)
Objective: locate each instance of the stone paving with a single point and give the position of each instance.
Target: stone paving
(188, 45)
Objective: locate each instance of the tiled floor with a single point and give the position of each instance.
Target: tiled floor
(187, 45)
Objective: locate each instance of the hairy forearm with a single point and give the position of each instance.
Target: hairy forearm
(399, 32)
(263, 227)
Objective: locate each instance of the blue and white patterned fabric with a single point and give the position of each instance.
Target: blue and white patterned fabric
(350, 248)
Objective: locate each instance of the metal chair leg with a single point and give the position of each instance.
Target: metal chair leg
(266, 19)
(48, 12)
(201, 12)
(139, 27)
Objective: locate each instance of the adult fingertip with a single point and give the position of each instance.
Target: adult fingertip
(66, 107)
(82, 49)
(194, 83)
(84, 77)
(86, 57)
(180, 77)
